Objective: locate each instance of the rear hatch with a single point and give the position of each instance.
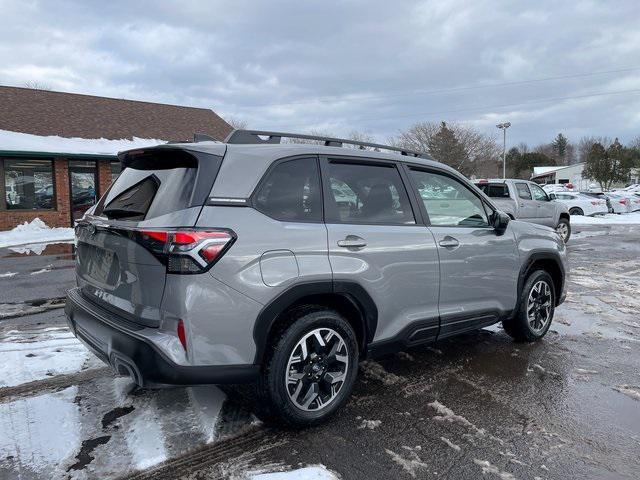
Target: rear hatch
(122, 257)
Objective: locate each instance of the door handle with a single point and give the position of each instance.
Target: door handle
(352, 241)
(522, 204)
(449, 242)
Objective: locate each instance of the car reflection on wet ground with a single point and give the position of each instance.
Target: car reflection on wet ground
(475, 406)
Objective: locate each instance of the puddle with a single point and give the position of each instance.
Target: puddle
(62, 251)
(36, 354)
(105, 428)
(9, 310)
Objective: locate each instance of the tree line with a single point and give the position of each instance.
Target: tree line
(479, 155)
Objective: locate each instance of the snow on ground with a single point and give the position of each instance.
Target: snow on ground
(55, 144)
(316, 472)
(35, 232)
(608, 219)
(26, 356)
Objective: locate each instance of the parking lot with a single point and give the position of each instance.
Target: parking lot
(471, 407)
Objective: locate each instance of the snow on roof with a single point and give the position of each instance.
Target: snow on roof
(15, 141)
(542, 170)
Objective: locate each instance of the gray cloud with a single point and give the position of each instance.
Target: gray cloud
(376, 67)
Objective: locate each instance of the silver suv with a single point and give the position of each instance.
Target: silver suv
(287, 264)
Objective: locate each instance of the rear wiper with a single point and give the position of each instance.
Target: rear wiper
(122, 213)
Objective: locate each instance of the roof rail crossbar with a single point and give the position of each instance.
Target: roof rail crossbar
(266, 137)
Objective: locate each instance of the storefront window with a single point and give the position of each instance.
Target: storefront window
(29, 184)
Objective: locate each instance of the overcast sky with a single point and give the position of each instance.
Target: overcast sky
(377, 67)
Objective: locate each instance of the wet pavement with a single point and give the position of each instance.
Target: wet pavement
(35, 272)
(475, 406)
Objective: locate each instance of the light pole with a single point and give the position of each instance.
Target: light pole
(503, 127)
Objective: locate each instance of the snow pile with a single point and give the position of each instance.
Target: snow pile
(317, 472)
(609, 219)
(27, 356)
(54, 144)
(35, 231)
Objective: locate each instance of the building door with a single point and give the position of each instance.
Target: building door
(82, 187)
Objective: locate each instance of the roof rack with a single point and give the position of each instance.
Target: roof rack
(255, 137)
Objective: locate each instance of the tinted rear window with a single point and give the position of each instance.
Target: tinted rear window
(494, 190)
(150, 186)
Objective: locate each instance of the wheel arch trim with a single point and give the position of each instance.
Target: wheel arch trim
(352, 292)
(531, 260)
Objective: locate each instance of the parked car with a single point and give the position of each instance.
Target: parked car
(601, 196)
(634, 201)
(620, 203)
(524, 200)
(233, 262)
(580, 204)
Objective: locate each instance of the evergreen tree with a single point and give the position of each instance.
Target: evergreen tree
(560, 145)
(445, 147)
(609, 165)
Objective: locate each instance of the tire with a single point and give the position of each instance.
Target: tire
(520, 327)
(564, 226)
(286, 400)
(576, 211)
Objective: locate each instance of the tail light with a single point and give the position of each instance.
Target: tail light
(182, 334)
(187, 251)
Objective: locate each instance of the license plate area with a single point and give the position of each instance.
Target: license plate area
(99, 264)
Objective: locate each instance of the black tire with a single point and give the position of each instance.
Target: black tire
(519, 326)
(565, 222)
(576, 211)
(272, 384)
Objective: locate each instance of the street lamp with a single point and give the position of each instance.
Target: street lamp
(503, 127)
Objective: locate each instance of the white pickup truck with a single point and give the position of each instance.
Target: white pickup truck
(524, 200)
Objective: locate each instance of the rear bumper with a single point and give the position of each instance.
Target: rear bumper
(114, 341)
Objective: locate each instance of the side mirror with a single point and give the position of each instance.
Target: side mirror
(500, 222)
(552, 196)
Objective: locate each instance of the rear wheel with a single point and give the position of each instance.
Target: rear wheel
(576, 211)
(311, 369)
(535, 311)
(564, 229)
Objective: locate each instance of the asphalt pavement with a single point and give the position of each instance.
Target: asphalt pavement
(475, 406)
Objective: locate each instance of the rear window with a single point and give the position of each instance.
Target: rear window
(151, 185)
(494, 190)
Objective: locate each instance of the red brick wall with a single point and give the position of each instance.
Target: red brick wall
(104, 177)
(60, 217)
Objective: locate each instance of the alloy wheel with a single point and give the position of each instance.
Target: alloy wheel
(539, 306)
(317, 369)
(563, 230)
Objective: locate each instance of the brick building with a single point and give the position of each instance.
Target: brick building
(58, 150)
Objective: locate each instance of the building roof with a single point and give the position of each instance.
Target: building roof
(45, 113)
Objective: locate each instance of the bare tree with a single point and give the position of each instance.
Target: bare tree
(36, 85)
(585, 144)
(476, 154)
(237, 123)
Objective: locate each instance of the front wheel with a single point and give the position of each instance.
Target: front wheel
(312, 367)
(535, 311)
(564, 229)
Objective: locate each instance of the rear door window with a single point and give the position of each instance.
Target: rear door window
(367, 194)
(523, 191)
(291, 192)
